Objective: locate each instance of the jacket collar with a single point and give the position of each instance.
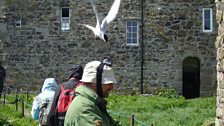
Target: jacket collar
(87, 92)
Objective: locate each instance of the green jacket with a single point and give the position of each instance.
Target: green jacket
(88, 109)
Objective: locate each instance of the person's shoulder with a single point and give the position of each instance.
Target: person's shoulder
(79, 106)
(81, 103)
(70, 84)
(80, 100)
(46, 95)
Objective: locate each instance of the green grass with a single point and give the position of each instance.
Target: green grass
(10, 117)
(152, 110)
(161, 111)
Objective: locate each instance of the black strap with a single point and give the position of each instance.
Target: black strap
(99, 79)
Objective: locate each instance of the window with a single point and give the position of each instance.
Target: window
(65, 19)
(132, 33)
(18, 23)
(207, 20)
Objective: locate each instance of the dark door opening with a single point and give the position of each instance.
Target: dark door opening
(191, 78)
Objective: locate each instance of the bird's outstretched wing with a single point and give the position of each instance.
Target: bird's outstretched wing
(90, 27)
(111, 15)
(97, 16)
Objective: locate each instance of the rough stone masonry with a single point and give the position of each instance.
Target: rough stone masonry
(220, 65)
(172, 33)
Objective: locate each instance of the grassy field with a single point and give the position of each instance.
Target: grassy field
(148, 111)
(10, 117)
(161, 111)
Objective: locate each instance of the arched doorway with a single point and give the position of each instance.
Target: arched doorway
(191, 77)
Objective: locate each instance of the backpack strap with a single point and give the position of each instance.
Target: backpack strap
(99, 79)
(99, 73)
(53, 120)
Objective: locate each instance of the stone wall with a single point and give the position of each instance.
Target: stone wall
(172, 32)
(220, 66)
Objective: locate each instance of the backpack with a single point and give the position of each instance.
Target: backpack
(65, 99)
(43, 114)
(61, 101)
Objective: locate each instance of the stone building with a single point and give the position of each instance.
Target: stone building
(152, 43)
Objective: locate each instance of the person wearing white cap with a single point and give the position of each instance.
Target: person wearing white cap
(88, 108)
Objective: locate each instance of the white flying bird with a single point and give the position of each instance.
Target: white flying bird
(100, 29)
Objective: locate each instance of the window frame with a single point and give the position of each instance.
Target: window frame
(211, 19)
(18, 22)
(132, 32)
(65, 28)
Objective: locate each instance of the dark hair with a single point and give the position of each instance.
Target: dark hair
(76, 72)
